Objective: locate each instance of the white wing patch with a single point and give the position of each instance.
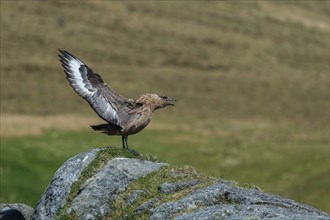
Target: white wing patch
(71, 66)
(76, 71)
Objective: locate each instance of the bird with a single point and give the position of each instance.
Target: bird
(123, 116)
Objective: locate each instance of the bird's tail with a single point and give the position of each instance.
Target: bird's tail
(109, 129)
(100, 127)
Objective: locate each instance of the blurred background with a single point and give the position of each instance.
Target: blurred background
(251, 80)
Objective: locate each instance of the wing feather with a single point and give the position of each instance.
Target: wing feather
(89, 85)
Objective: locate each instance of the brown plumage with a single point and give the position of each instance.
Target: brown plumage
(123, 116)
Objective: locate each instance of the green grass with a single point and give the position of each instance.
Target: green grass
(251, 79)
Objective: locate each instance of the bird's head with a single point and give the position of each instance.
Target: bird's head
(155, 101)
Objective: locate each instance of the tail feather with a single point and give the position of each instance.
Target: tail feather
(109, 129)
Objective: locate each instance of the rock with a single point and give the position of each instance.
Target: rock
(134, 196)
(11, 214)
(101, 189)
(56, 193)
(14, 211)
(173, 187)
(235, 212)
(112, 183)
(147, 205)
(229, 201)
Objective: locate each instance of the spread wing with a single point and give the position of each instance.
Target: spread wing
(89, 85)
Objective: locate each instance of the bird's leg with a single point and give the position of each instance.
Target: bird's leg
(125, 146)
(124, 141)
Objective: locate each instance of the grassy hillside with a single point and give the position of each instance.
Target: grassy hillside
(251, 79)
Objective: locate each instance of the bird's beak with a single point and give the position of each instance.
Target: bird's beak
(169, 101)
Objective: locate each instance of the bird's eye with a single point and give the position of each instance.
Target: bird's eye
(163, 97)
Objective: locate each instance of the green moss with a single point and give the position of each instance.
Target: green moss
(63, 215)
(244, 185)
(251, 186)
(100, 160)
(150, 184)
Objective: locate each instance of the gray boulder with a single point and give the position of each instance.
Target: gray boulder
(102, 188)
(231, 202)
(86, 184)
(57, 191)
(111, 183)
(17, 211)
